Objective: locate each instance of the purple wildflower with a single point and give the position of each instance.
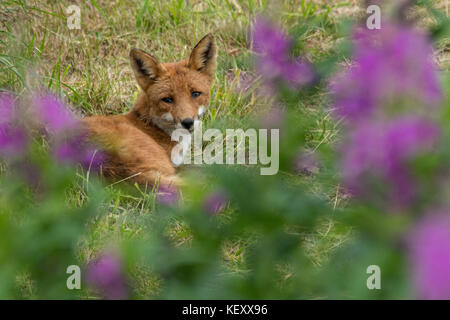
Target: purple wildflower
(274, 63)
(70, 143)
(54, 114)
(430, 256)
(168, 195)
(13, 139)
(390, 65)
(215, 202)
(106, 275)
(76, 149)
(6, 108)
(379, 152)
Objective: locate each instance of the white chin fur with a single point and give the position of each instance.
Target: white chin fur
(167, 117)
(164, 123)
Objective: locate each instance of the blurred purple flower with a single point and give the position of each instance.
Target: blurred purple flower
(430, 256)
(13, 139)
(380, 152)
(6, 108)
(76, 149)
(168, 195)
(70, 143)
(274, 63)
(55, 116)
(106, 275)
(391, 65)
(215, 202)
(306, 163)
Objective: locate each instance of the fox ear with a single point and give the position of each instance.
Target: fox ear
(146, 68)
(203, 56)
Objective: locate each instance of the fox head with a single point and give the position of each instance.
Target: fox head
(175, 95)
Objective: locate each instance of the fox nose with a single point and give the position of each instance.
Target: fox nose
(187, 123)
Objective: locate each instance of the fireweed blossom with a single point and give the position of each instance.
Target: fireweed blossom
(70, 144)
(106, 275)
(13, 138)
(54, 114)
(379, 154)
(215, 202)
(429, 245)
(273, 61)
(167, 195)
(76, 149)
(392, 70)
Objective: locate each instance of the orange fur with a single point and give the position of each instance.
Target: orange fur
(138, 144)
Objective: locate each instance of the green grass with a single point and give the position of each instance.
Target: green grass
(90, 68)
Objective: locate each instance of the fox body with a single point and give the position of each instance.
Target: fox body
(174, 95)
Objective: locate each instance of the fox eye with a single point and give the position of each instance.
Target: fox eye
(167, 100)
(196, 94)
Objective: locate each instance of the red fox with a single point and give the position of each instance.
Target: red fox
(174, 95)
